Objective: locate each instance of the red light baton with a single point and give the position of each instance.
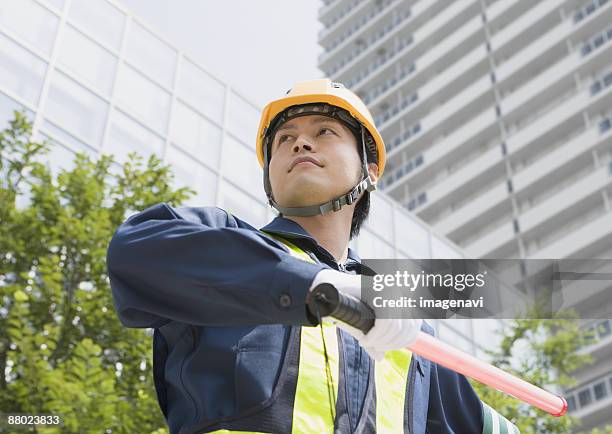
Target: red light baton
(326, 300)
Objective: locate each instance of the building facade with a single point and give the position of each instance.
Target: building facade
(498, 123)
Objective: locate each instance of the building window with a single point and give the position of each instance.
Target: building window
(515, 224)
(32, 22)
(600, 391)
(610, 168)
(601, 83)
(103, 21)
(195, 134)
(143, 98)
(76, 109)
(504, 148)
(585, 397)
(571, 403)
(396, 141)
(591, 337)
(603, 328)
(409, 166)
(422, 198)
(596, 42)
(201, 91)
(578, 16)
(418, 160)
(604, 125)
(588, 10)
(126, 135)
(509, 184)
(586, 49)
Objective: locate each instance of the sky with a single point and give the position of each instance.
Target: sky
(259, 47)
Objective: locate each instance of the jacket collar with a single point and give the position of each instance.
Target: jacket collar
(290, 229)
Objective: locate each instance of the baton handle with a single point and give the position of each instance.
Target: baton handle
(326, 300)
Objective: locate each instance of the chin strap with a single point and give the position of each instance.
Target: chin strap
(366, 184)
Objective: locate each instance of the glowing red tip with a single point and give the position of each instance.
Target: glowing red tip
(563, 410)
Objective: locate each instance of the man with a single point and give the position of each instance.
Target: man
(235, 347)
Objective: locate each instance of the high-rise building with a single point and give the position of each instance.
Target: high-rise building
(95, 79)
(498, 124)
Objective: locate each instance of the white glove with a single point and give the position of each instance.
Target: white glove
(387, 334)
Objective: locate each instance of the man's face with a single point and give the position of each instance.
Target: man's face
(332, 168)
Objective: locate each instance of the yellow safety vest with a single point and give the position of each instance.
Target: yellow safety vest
(311, 409)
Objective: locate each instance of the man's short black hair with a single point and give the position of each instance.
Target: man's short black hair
(360, 214)
(362, 207)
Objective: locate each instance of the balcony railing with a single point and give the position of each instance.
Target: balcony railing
(601, 83)
(599, 330)
(596, 41)
(397, 174)
(601, 388)
(371, 40)
(379, 62)
(382, 88)
(406, 135)
(362, 22)
(417, 201)
(395, 109)
(587, 10)
(430, 58)
(339, 16)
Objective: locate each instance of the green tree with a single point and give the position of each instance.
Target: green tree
(543, 352)
(63, 350)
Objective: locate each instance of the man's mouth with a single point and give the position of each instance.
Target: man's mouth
(305, 160)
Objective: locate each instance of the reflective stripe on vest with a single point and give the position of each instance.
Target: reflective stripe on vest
(495, 423)
(391, 376)
(311, 411)
(311, 408)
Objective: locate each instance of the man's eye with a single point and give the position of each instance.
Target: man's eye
(283, 138)
(325, 131)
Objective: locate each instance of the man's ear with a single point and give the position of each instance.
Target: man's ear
(373, 171)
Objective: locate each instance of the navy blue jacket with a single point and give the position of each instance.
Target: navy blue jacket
(220, 296)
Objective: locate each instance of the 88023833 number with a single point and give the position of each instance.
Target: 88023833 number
(15, 420)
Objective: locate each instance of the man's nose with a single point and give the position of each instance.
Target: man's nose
(302, 142)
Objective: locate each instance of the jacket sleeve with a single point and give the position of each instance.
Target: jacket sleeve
(454, 407)
(202, 266)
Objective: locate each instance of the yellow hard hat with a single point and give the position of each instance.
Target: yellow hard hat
(321, 91)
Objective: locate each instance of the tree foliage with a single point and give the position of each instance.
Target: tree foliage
(63, 350)
(544, 352)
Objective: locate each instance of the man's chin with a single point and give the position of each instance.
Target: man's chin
(307, 191)
(305, 197)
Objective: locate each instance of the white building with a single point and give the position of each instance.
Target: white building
(497, 118)
(93, 78)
